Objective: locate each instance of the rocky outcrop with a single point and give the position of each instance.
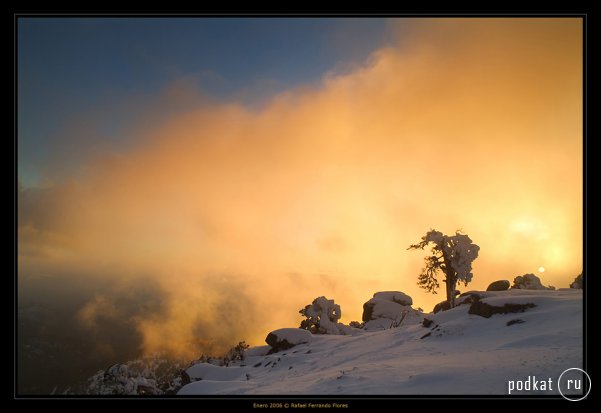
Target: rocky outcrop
(388, 309)
(486, 310)
(529, 282)
(577, 282)
(386, 304)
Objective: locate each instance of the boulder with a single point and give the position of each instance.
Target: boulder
(285, 338)
(368, 309)
(394, 296)
(441, 306)
(500, 285)
(388, 309)
(386, 304)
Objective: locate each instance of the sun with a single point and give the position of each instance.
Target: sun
(541, 269)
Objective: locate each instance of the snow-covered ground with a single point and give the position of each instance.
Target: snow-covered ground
(459, 353)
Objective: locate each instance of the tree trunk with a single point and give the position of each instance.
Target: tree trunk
(451, 284)
(453, 289)
(450, 281)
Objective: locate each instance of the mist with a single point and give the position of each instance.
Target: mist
(223, 221)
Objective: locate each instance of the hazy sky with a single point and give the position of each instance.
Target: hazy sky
(245, 167)
(95, 77)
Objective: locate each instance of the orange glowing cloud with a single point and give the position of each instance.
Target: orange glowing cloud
(462, 124)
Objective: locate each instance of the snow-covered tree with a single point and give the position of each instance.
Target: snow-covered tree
(235, 353)
(452, 255)
(148, 376)
(322, 317)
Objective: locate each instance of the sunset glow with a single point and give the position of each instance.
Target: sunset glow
(235, 212)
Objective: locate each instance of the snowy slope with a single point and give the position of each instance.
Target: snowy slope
(464, 354)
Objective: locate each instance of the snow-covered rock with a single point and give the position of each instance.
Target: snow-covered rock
(207, 371)
(257, 351)
(285, 338)
(529, 282)
(388, 309)
(394, 296)
(385, 309)
(386, 304)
